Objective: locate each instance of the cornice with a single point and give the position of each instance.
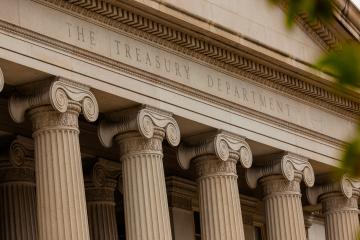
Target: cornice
(210, 52)
(195, 93)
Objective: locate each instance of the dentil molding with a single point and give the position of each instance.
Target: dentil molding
(285, 164)
(144, 119)
(114, 14)
(59, 93)
(347, 186)
(223, 144)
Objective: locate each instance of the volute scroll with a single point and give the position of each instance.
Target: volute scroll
(58, 93)
(223, 145)
(285, 164)
(144, 119)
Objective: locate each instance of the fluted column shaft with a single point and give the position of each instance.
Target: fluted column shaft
(60, 185)
(17, 204)
(220, 209)
(341, 216)
(101, 211)
(283, 208)
(145, 199)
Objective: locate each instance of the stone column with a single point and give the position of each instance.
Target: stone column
(100, 199)
(54, 107)
(340, 207)
(2, 82)
(182, 197)
(280, 179)
(215, 159)
(17, 192)
(139, 133)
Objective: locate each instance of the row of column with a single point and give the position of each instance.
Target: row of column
(64, 210)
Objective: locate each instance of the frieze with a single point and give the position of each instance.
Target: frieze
(209, 51)
(86, 36)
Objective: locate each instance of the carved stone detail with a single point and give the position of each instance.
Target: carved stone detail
(223, 145)
(182, 193)
(60, 94)
(280, 179)
(21, 165)
(215, 160)
(104, 170)
(2, 81)
(347, 186)
(18, 193)
(100, 199)
(285, 164)
(211, 52)
(146, 120)
(54, 107)
(340, 207)
(282, 186)
(139, 133)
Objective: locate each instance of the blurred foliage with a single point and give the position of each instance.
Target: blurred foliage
(343, 63)
(314, 9)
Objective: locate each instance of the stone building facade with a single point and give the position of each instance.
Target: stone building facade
(172, 120)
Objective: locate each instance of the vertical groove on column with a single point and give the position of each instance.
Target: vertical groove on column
(102, 221)
(18, 211)
(284, 215)
(341, 217)
(61, 194)
(145, 199)
(220, 203)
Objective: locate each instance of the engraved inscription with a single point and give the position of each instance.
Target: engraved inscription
(81, 34)
(248, 95)
(175, 67)
(206, 79)
(141, 56)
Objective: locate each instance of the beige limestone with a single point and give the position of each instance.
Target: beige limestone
(215, 159)
(139, 133)
(54, 107)
(100, 200)
(177, 69)
(17, 192)
(280, 180)
(340, 207)
(182, 202)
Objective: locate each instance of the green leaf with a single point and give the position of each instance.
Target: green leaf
(344, 64)
(351, 156)
(315, 9)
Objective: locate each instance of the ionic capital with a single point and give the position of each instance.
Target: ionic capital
(59, 93)
(285, 164)
(2, 81)
(19, 163)
(21, 152)
(347, 186)
(103, 171)
(223, 145)
(144, 119)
